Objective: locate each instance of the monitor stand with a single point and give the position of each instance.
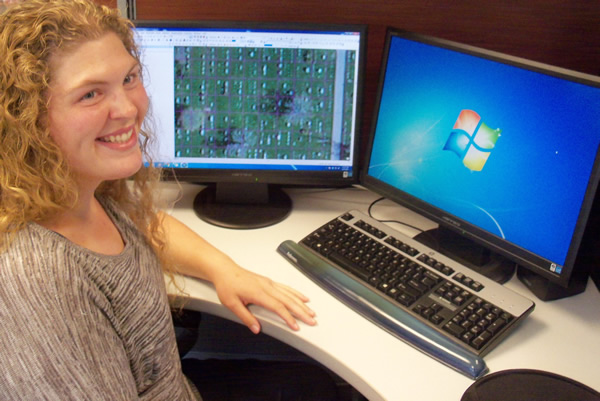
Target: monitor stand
(546, 290)
(242, 205)
(497, 267)
(469, 253)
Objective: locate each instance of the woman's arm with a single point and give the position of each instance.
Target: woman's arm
(235, 286)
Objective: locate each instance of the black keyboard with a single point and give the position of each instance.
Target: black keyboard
(428, 300)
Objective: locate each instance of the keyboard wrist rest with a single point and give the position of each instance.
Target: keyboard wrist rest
(382, 312)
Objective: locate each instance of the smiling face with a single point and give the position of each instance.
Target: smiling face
(97, 103)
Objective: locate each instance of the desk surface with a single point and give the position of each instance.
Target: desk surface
(559, 336)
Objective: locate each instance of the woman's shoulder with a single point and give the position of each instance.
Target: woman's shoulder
(26, 254)
(25, 244)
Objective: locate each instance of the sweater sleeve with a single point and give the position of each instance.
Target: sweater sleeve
(55, 344)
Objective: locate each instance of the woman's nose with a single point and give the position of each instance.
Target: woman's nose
(122, 105)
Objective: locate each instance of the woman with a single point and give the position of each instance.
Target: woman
(83, 306)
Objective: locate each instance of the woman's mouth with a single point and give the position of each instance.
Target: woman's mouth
(119, 138)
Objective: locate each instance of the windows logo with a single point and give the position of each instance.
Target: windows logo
(472, 140)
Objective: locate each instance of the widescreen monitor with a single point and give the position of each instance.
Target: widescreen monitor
(496, 149)
(248, 107)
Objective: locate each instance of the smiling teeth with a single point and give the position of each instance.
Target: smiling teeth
(118, 138)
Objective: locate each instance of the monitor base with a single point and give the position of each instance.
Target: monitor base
(498, 268)
(470, 254)
(242, 205)
(546, 290)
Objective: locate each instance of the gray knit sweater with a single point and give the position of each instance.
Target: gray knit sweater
(78, 325)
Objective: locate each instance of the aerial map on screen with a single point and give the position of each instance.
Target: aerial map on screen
(263, 103)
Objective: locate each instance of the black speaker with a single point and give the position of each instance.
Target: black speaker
(590, 246)
(596, 277)
(588, 257)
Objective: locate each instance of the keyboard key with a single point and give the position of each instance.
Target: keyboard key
(345, 263)
(480, 340)
(436, 319)
(405, 299)
(496, 326)
(455, 329)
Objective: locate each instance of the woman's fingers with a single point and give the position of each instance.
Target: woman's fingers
(286, 302)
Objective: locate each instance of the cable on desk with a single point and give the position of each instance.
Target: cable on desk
(425, 232)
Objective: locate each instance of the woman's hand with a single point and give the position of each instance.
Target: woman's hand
(237, 288)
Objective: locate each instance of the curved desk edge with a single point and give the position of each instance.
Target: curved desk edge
(204, 299)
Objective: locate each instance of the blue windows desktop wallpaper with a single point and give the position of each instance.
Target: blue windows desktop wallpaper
(501, 147)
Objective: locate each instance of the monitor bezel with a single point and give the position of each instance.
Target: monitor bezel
(282, 177)
(520, 256)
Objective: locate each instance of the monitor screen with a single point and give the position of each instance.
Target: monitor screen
(248, 104)
(498, 149)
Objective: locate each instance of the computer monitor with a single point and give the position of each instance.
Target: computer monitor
(499, 151)
(248, 107)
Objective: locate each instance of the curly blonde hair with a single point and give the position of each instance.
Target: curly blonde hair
(35, 180)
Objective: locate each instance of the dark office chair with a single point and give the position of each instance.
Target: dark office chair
(186, 324)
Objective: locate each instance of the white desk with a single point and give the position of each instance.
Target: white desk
(559, 336)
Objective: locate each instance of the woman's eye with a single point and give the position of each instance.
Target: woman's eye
(131, 78)
(89, 95)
